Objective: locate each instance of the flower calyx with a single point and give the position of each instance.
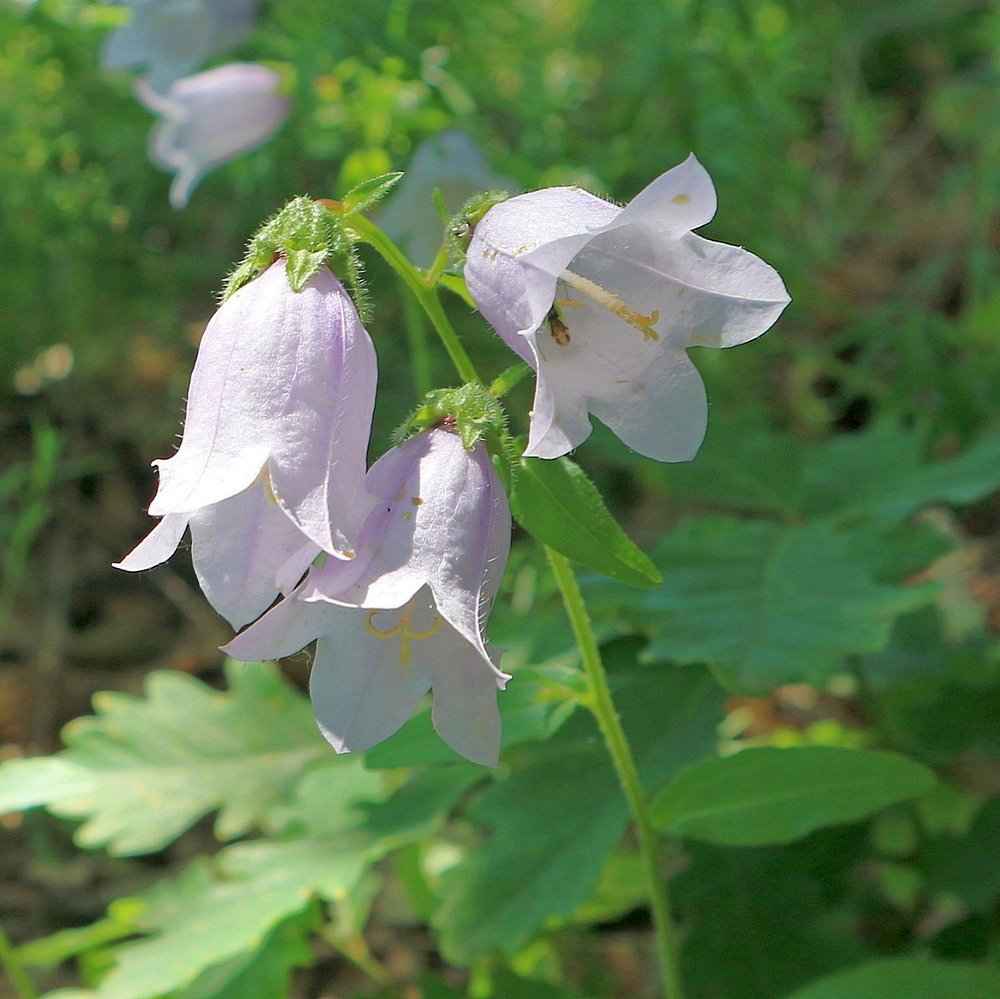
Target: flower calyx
(309, 235)
(458, 233)
(473, 411)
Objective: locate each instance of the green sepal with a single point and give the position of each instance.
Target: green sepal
(308, 235)
(477, 415)
(463, 223)
(555, 501)
(369, 192)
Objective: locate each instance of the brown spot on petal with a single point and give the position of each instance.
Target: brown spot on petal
(681, 199)
(416, 501)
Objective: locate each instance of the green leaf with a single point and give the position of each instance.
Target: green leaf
(907, 978)
(760, 922)
(556, 502)
(968, 865)
(763, 603)
(881, 473)
(368, 192)
(557, 817)
(422, 803)
(261, 974)
(219, 909)
(767, 795)
(143, 770)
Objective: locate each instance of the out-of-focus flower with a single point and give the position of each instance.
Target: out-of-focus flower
(451, 162)
(407, 614)
(211, 118)
(171, 38)
(271, 466)
(602, 301)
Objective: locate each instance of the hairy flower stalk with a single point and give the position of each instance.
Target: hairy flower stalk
(569, 280)
(271, 467)
(407, 615)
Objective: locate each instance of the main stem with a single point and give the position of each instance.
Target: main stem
(425, 293)
(600, 703)
(599, 696)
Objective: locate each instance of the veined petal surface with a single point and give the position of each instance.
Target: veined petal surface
(283, 390)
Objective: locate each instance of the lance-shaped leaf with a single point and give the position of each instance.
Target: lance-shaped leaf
(907, 978)
(767, 795)
(559, 505)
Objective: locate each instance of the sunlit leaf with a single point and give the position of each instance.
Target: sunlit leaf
(766, 795)
(143, 769)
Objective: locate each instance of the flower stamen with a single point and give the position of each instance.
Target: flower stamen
(404, 629)
(613, 303)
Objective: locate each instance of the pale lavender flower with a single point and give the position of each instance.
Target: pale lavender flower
(211, 118)
(603, 301)
(453, 163)
(172, 38)
(271, 466)
(407, 615)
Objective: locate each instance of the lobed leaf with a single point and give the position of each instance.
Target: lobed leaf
(143, 770)
(765, 603)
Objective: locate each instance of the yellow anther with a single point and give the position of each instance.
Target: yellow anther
(404, 629)
(612, 303)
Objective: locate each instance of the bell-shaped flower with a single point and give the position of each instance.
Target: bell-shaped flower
(603, 301)
(172, 38)
(271, 466)
(211, 118)
(453, 163)
(407, 615)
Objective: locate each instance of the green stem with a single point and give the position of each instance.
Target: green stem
(425, 294)
(23, 985)
(600, 703)
(421, 361)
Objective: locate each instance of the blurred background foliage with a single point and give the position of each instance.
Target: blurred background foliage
(854, 146)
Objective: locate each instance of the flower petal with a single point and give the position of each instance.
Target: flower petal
(211, 118)
(157, 546)
(238, 547)
(289, 626)
(465, 712)
(676, 202)
(362, 691)
(443, 519)
(520, 247)
(287, 379)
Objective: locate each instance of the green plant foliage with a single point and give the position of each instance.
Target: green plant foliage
(556, 818)
(761, 922)
(219, 911)
(767, 795)
(969, 865)
(907, 978)
(559, 505)
(766, 603)
(143, 770)
(534, 706)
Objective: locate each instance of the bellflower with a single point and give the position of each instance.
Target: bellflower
(211, 118)
(271, 466)
(407, 615)
(172, 38)
(454, 164)
(603, 301)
